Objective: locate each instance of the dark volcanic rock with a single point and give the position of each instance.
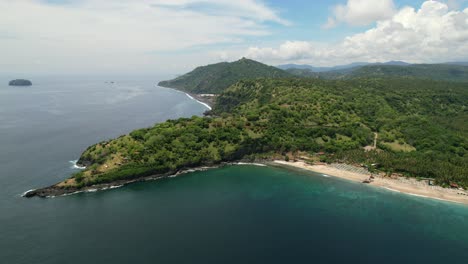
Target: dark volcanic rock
(20, 82)
(51, 191)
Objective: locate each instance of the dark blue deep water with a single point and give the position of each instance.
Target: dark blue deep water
(236, 214)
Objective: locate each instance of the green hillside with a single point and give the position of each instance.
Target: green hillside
(422, 127)
(443, 72)
(216, 78)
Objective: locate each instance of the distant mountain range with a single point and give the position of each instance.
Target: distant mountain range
(215, 78)
(446, 72)
(462, 63)
(339, 67)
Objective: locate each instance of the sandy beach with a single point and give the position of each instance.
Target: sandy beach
(408, 186)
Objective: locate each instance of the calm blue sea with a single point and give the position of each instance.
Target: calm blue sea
(236, 214)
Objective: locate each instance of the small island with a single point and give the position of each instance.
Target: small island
(20, 82)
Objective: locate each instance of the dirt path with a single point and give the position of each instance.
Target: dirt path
(373, 147)
(376, 136)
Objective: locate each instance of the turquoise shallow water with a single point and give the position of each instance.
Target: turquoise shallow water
(235, 214)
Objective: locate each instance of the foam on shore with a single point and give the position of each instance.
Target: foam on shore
(200, 102)
(251, 164)
(398, 186)
(393, 190)
(90, 190)
(75, 165)
(26, 192)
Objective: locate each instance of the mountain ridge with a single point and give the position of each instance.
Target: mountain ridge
(215, 78)
(338, 67)
(444, 72)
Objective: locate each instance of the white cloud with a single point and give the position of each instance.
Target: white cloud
(431, 34)
(290, 50)
(251, 9)
(455, 4)
(86, 35)
(361, 12)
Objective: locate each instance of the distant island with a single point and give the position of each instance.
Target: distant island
(20, 82)
(392, 127)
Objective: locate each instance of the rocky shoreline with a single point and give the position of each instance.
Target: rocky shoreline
(55, 190)
(411, 188)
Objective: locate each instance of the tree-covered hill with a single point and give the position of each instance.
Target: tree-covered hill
(422, 127)
(215, 78)
(445, 72)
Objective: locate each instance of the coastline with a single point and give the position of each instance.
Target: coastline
(208, 102)
(409, 186)
(201, 100)
(57, 191)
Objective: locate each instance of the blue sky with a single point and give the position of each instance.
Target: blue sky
(308, 18)
(173, 36)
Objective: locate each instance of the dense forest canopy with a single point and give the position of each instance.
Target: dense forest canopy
(422, 127)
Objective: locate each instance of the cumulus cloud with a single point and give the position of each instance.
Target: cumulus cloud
(455, 4)
(85, 34)
(290, 50)
(361, 12)
(433, 33)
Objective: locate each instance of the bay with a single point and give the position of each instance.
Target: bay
(235, 214)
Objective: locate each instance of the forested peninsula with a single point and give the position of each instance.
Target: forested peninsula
(421, 125)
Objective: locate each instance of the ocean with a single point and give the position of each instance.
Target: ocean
(235, 214)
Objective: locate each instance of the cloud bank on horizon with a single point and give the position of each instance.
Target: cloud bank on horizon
(170, 36)
(432, 33)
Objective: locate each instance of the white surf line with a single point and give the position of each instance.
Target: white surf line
(393, 190)
(92, 190)
(188, 95)
(435, 198)
(200, 102)
(423, 196)
(251, 164)
(26, 192)
(75, 166)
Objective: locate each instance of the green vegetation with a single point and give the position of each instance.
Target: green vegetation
(444, 72)
(265, 117)
(218, 77)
